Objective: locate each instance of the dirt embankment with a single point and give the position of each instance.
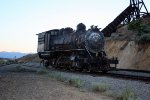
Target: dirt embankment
(130, 54)
(29, 58)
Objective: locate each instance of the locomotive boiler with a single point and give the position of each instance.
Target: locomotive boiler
(78, 49)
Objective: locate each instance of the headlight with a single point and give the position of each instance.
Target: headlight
(94, 41)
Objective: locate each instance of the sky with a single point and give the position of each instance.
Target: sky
(21, 20)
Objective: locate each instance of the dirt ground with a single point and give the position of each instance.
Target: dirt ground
(31, 86)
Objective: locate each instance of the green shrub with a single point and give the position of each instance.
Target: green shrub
(2, 62)
(73, 81)
(143, 30)
(76, 82)
(42, 71)
(20, 68)
(127, 94)
(135, 25)
(143, 38)
(100, 87)
(57, 76)
(51, 74)
(111, 94)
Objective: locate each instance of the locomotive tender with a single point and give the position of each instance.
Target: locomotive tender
(78, 49)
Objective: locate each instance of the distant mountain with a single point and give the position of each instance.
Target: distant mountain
(4, 54)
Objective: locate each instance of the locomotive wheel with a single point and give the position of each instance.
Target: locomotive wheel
(62, 63)
(90, 69)
(57, 65)
(46, 64)
(75, 66)
(72, 68)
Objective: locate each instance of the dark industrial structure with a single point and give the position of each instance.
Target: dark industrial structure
(134, 11)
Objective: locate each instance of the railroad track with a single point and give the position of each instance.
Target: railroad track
(132, 74)
(119, 74)
(129, 76)
(140, 75)
(133, 70)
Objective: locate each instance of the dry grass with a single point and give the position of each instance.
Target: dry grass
(57, 76)
(74, 81)
(77, 82)
(42, 71)
(100, 87)
(20, 68)
(128, 94)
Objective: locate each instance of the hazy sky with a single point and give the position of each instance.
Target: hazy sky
(21, 20)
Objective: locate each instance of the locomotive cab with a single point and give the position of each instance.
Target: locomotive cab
(49, 36)
(41, 42)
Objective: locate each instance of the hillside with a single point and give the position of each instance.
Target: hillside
(131, 46)
(12, 55)
(29, 58)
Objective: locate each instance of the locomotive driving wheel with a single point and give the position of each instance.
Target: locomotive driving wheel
(71, 67)
(57, 63)
(63, 62)
(45, 63)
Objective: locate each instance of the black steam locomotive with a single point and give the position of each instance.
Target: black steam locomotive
(78, 49)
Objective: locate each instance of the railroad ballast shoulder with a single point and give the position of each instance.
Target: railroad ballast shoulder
(78, 49)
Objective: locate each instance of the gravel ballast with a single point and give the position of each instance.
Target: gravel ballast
(140, 88)
(117, 86)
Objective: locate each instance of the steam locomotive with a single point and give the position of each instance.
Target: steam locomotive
(78, 49)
